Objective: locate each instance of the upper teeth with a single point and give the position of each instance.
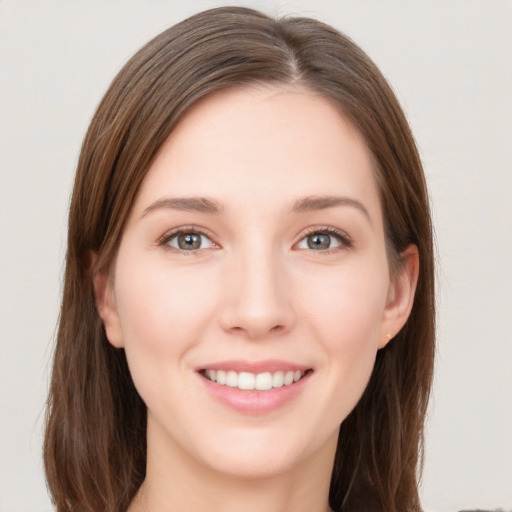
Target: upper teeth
(249, 381)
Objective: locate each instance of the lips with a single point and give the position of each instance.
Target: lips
(254, 387)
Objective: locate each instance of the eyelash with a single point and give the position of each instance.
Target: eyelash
(345, 241)
(184, 230)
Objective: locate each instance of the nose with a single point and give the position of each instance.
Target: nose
(259, 299)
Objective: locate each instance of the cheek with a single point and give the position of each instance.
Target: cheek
(347, 306)
(345, 315)
(159, 309)
(162, 315)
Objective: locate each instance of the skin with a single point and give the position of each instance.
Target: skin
(254, 290)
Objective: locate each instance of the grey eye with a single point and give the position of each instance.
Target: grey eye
(190, 241)
(319, 241)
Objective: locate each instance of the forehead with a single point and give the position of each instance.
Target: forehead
(262, 144)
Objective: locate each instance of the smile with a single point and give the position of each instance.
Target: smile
(254, 387)
(253, 382)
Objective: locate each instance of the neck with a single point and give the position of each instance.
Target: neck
(176, 481)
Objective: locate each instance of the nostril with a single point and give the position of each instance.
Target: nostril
(258, 331)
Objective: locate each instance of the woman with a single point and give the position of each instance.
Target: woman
(248, 311)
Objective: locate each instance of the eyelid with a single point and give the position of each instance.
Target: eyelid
(344, 239)
(172, 233)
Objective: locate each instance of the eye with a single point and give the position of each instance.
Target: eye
(188, 241)
(324, 239)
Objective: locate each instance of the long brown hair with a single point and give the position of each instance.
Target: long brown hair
(95, 444)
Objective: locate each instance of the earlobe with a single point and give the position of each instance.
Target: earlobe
(400, 295)
(106, 306)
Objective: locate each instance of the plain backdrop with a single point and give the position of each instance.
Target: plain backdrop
(450, 63)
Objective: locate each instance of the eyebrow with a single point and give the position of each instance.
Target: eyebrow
(206, 205)
(194, 204)
(312, 203)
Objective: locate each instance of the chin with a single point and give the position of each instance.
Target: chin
(246, 464)
(252, 454)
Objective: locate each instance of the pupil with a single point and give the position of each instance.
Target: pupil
(319, 241)
(189, 241)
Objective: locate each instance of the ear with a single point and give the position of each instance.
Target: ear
(106, 306)
(400, 295)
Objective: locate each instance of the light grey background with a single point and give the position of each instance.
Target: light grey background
(450, 63)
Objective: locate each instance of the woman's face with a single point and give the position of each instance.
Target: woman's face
(251, 289)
